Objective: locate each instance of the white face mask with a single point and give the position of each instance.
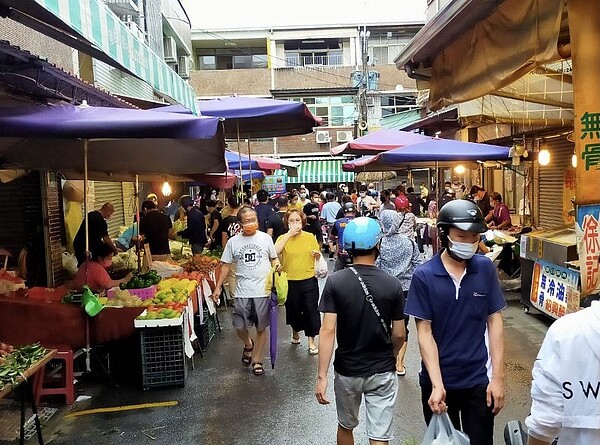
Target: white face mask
(362, 194)
(303, 195)
(464, 251)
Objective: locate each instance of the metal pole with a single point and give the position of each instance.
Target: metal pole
(240, 159)
(138, 245)
(249, 167)
(86, 206)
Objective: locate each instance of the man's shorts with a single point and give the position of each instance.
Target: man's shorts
(380, 392)
(248, 312)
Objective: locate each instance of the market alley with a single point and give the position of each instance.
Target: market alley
(223, 403)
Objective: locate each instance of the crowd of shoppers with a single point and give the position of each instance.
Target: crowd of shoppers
(454, 298)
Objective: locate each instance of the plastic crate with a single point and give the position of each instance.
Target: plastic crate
(163, 357)
(207, 330)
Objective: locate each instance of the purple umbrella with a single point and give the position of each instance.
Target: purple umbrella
(273, 327)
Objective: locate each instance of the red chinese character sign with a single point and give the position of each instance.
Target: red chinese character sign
(554, 289)
(588, 244)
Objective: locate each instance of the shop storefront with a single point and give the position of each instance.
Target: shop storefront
(317, 174)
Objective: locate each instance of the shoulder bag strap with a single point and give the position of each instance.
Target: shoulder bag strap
(371, 302)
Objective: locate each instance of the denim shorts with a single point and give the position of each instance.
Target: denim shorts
(248, 312)
(379, 391)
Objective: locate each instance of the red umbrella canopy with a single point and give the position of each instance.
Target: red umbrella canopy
(379, 141)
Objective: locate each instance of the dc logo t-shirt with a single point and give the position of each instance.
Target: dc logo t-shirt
(252, 256)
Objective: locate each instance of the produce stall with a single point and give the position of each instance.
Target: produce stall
(146, 302)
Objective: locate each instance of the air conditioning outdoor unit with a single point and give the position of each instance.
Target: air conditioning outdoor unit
(344, 136)
(183, 68)
(323, 137)
(170, 49)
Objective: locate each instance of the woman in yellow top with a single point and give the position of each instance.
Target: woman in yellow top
(298, 250)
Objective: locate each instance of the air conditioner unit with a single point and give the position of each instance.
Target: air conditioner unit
(323, 137)
(183, 68)
(170, 49)
(344, 136)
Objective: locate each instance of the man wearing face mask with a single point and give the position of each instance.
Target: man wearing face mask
(253, 254)
(366, 203)
(456, 300)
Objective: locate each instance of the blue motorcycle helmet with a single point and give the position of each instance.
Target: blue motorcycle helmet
(362, 233)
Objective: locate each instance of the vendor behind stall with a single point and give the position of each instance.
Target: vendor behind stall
(501, 215)
(156, 229)
(98, 279)
(97, 232)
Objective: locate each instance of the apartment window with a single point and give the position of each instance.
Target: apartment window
(397, 103)
(313, 52)
(231, 58)
(336, 111)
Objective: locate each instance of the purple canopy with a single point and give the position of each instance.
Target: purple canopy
(433, 150)
(121, 142)
(378, 141)
(256, 117)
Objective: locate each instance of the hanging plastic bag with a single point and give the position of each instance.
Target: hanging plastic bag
(321, 269)
(281, 286)
(441, 432)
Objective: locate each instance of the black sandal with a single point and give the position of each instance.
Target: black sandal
(257, 368)
(247, 359)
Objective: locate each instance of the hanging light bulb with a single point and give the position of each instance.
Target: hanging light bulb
(166, 189)
(574, 160)
(544, 157)
(459, 169)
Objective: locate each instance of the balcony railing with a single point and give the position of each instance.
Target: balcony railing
(326, 60)
(123, 7)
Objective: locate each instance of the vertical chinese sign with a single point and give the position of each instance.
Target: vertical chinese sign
(554, 289)
(588, 246)
(584, 22)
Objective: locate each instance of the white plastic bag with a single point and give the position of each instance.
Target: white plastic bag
(69, 263)
(321, 269)
(441, 432)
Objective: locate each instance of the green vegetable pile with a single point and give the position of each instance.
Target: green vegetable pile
(14, 364)
(140, 281)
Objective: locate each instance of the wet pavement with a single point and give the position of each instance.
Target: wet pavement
(224, 403)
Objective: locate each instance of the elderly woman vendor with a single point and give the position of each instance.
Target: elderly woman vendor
(98, 279)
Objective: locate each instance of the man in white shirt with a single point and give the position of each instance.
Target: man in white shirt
(253, 253)
(566, 382)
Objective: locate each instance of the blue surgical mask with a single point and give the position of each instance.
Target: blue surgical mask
(464, 251)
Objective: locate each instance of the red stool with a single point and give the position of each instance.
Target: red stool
(45, 385)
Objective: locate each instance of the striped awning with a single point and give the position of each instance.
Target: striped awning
(324, 171)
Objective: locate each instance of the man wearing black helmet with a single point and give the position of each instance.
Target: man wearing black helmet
(456, 300)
